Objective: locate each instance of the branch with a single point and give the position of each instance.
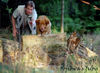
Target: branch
(88, 3)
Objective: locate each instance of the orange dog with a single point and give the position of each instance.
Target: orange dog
(43, 25)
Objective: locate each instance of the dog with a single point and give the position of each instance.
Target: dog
(43, 25)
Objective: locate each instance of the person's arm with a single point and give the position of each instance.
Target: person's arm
(14, 27)
(32, 22)
(14, 15)
(34, 17)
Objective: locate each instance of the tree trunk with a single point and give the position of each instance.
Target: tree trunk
(62, 16)
(1, 52)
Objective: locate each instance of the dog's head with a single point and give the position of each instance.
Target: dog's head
(42, 24)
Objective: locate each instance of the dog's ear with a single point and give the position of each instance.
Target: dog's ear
(37, 21)
(47, 22)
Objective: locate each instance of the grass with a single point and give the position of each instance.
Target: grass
(10, 69)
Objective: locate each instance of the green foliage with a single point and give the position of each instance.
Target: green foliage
(77, 15)
(53, 10)
(9, 10)
(72, 25)
(97, 30)
(5, 1)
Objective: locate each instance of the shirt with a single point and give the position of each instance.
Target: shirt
(22, 18)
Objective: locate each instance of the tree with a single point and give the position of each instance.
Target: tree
(62, 16)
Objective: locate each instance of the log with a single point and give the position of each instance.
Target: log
(90, 53)
(53, 43)
(31, 40)
(8, 50)
(37, 51)
(83, 55)
(74, 45)
(46, 47)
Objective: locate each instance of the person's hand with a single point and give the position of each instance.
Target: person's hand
(14, 32)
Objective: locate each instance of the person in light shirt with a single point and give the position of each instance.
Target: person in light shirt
(23, 19)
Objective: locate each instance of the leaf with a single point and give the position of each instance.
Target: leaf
(9, 10)
(5, 1)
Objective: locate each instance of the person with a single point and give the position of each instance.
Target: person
(23, 19)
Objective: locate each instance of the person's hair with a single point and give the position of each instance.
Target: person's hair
(30, 3)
